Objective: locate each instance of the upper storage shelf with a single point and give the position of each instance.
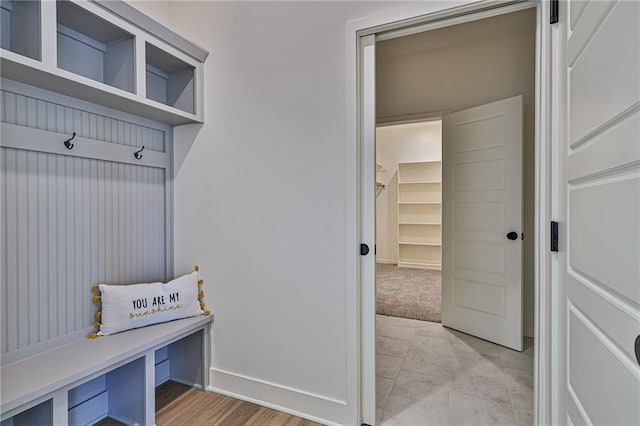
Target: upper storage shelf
(169, 80)
(20, 27)
(94, 48)
(105, 52)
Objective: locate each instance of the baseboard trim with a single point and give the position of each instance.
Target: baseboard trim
(316, 408)
(386, 261)
(419, 266)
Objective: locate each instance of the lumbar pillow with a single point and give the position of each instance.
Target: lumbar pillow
(132, 306)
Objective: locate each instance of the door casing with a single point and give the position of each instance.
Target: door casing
(548, 354)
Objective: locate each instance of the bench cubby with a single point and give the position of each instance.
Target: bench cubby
(180, 361)
(118, 394)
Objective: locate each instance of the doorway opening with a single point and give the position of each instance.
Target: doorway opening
(409, 220)
(461, 371)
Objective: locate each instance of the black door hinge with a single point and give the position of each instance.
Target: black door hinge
(554, 236)
(554, 15)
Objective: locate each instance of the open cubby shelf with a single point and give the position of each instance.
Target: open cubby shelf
(420, 214)
(20, 27)
(92, 47)
(170, 81)
(103, 52)
(41, 414)
(120, 393)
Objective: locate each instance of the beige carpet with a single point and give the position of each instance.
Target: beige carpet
(408, 293)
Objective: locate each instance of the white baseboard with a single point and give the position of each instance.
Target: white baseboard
(386, 261)
(419, 266)
(317, 408)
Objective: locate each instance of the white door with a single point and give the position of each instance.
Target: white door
(599, 158)
(482, 222)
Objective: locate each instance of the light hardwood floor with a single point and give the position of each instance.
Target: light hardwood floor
(177, 404)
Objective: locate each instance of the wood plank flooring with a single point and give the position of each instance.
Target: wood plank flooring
(177, 404)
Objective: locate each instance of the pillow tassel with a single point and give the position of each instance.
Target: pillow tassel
(201, 296)
(94, 288)
(98, 314)
(197, 268)
(95, 299)
(92, 335)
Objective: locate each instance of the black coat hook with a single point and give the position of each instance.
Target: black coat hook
(138, 154)
(68, 143)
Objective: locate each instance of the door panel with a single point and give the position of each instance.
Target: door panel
(615, 70)
(601, 161)
(482, 202)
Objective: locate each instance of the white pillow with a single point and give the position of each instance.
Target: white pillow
(131, 306)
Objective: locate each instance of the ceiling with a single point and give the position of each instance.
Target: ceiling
(510, 24)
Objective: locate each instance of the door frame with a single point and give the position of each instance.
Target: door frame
(548, 325)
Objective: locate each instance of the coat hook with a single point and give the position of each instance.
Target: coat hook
(138, 154)
(68, 143)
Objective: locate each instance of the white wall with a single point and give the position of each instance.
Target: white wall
(156, 9)
(399, 144)
(460, 67)
(261, 201)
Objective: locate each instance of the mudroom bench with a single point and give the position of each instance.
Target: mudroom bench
(112, 376)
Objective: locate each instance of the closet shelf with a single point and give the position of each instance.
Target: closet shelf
(419, 244)
(426, 182)
(421, 223)
(419, 203)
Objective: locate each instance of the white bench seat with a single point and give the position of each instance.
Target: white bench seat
(51, 374)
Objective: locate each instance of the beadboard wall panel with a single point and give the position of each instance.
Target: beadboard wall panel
(69, 222)
(36, 113)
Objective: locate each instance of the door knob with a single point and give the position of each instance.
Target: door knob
(512, 235)
(638, 349)
(364, 249)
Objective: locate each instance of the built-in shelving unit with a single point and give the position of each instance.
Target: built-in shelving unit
(420, 215)
(105, 52)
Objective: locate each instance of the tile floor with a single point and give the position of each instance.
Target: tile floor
(430, 375)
